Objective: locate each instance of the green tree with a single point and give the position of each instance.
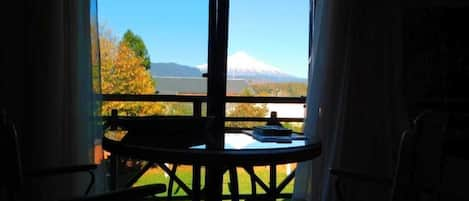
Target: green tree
(295, 126)
(122, 72)
(177, 108)
(247, 110)
(287, 89)
(136, 43)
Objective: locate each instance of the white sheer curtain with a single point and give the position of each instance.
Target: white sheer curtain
(64, 100)
(354, 98)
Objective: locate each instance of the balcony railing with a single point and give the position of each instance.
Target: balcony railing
(198, 100)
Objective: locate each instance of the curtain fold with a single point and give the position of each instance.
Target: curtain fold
(81, 90)
(354, 97)
(96, 99)
(65, 100)
(325, 84)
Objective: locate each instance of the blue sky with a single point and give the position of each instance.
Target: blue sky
(273, 31)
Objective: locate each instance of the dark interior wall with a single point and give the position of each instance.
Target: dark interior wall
(30, 55)
(13, 72)
(436, 56)
(17, 69)
(32, 61)
(15, 59)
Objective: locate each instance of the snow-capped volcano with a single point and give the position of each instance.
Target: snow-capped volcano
(242, 65)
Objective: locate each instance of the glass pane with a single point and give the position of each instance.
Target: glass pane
(268, 48)
(153, 47)
(267, 56)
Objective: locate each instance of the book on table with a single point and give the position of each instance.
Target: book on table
(275, 138)
(272, 130)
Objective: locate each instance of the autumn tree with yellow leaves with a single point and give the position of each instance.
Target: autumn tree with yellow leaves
(123, 72)
(246, 110)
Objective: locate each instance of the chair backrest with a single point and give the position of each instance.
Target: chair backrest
(418, 164)
(163, 131)
(12, 180)
(405, 167)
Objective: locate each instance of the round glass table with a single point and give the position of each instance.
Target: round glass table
(240, 150)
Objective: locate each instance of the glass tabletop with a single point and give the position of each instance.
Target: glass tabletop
(240, 149)
(244, 140)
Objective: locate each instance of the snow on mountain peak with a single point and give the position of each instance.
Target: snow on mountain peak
(242, 64)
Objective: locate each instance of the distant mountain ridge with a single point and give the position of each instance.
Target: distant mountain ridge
(240, 66)
(174, 70)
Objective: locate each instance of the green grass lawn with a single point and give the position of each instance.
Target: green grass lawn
(156, 175)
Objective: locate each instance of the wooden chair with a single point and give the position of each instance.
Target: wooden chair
(178, 132)
(413, 160)
(13, 186)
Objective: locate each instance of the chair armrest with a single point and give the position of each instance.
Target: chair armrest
(125, 194)
(344, 173)
(62, 170)
(66, 170)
